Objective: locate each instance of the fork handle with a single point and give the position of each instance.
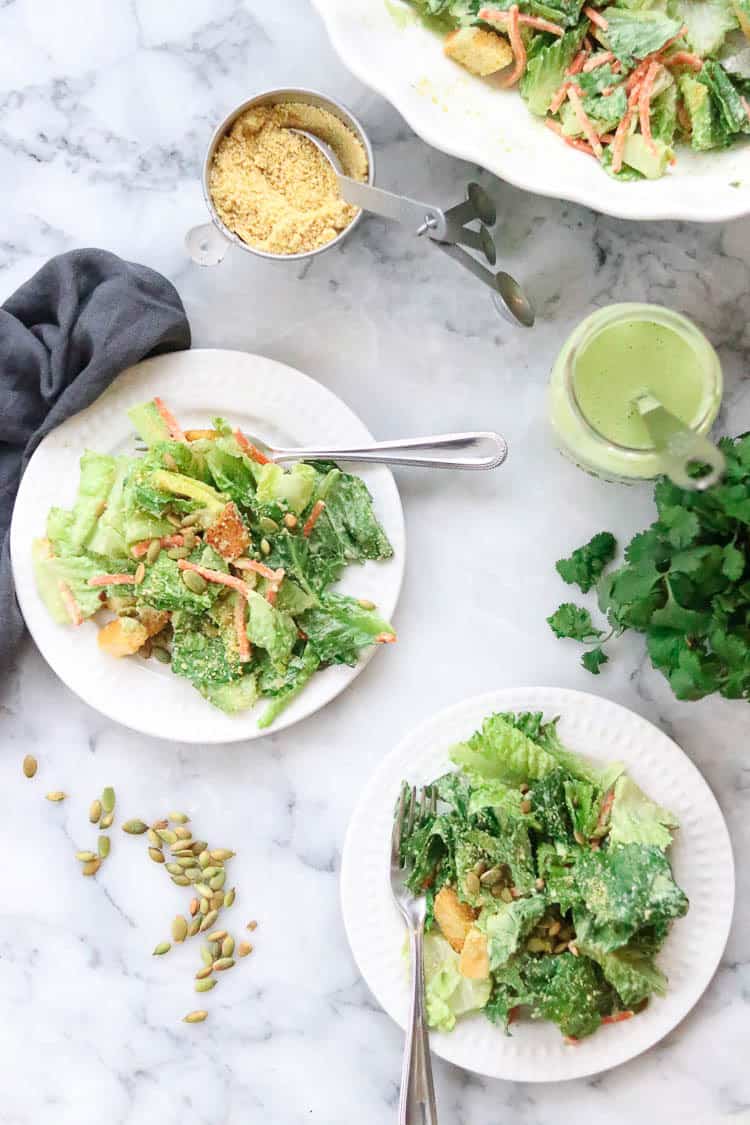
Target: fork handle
(479, 449)
(417, 1101)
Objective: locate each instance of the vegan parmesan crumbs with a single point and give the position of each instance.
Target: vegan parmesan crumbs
(275, 189)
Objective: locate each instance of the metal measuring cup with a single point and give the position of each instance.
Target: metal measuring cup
(207, 244)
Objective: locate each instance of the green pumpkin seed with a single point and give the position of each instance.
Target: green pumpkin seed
(186, 861)
(179, 928)
(206, 957)
(156, 854)
(104, 844)
(154, 547)
(107, 820)
(265, 546)
(188, 540)
(203, 890)
(160, 824)
(229, 899)
(161, 654)
(204, 972)
(95, 811)
(56, 795)
(180, 880)
(183, 833)
(29, 765)
(162, 948)
(222, 854)
(209, 872)
(195, 925)
(223, 963)
(204, 906)
(217, 900)
(167, 835)
(199, 846)
(177, 553)
(85, 857)
(227, 946)
(195, 1017)
(244, 948)
(179, 817)
(204, 859)
(91, 867)
(174, 869)
(217, 935)
(268, 525)
(205, 985)
(108, 798)
(190, 519)
(153, 838)
(193, 873)
(472, 883)
(251, 926)
(209, 920)
(134, 827)
(214, 949)
(218, 881)
(194, 582)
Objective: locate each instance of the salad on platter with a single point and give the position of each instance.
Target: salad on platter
(212, 559)
(623, 82)
(548, 883)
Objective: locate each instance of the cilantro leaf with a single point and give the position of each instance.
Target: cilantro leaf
(585, 565)
(593, 660)
(573, 621)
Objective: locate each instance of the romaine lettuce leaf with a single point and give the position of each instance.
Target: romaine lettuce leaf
(636, 819)
(232, 474)
(284, 689)
(546, 68)
(270, 629)
(570, 991)
(633, 975)
(338, 628)
(632, 35)
(199, 656)
(507, 925)
(293, 489)
(448, 994)
(707, 22)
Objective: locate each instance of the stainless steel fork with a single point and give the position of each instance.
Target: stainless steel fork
(417, 1101)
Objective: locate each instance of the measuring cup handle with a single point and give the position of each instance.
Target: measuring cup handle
(206, 245)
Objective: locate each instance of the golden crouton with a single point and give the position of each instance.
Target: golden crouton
(201, 435)
(122, 637)
(455, 918)
(474, 962)
(228, 534)
(480, 51)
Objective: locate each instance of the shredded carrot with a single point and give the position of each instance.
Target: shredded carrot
(573, 142)
(248, 448)
(169, 420)
(496, 15)
(317, 510)
(217, 576)
(684, 118)
(584, 121)
(385, 639)
(74, 612)
(243, 644)
(618, 1017)
(598, 59)
(559, 97)
(113, 580)
(684, 58)
(138, 550)
(616, 66)
(578, 64)
(606, 807)
(517, 46)
(272, 593)
(260, 568)
(621, 136)
(596, 17)
(644, 105)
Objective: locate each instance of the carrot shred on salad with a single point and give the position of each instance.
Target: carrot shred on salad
(597, 60)
(317, 511)
(584, 121)
(169, 420)
(217, 576)
(252, 451)
(500, 16)
(138, 550)
(596, 17)
(644, 104)
(71, 605)
(517, 46)
(113, 580)
(260, 568)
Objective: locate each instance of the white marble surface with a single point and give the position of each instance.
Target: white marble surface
(105, 110)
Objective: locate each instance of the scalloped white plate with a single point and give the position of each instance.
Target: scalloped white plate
(263, 397)
(386, 47)
(701, 858)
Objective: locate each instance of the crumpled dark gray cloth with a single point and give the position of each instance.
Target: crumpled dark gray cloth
(64, 336)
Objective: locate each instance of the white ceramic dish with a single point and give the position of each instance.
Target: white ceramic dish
(701, 858)
(263, 397)
(468, 117)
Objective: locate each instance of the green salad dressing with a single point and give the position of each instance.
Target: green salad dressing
(629, 359)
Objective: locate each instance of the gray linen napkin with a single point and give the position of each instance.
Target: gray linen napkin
(64, 336)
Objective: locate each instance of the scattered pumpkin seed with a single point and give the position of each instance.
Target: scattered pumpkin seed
(209, 920)
(103, 845)
(204, 906)
(193, 873)
(163, 655)
(206, 957)
(107, 820)
(91, 867)
(269, 525)
(186, 861)
(217, 900)
(227, 946)
(156, 854)
(29, 765)
(195, 1017)
(209, 872)
(554, 928)
(365, 603)
(491, 877)
(174, 869)
(179, 817)
(190, 519)
(218, 881)
(167, 835)
(473, 885)
(134, 827)
(194, 582)
(140, 573)
(199, 846)
(163, 823)
(217, 935)
(203, 890)
(506, 894)
(252, 925)
(204, 972)
(290, 521)
(108, 798)
(204, 859)
(195, 925)
(183, 833)
(179, 928)
(177, 553)
(205, 985)
(214, 949)
(56, 795)
(223, 963)
(180, 880)
(229, 899)
(153, 838)
(220, 854)
(244, 948)
(265, 546)
(85, 857)
(154, 547)
(161, 948)
(95, 811)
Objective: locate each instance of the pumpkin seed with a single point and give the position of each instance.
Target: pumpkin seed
(204, 906)
(162, 654)
(290, 521)
(107, 820)
(179, 928)
(217, 900)
(85, 857)
(188, 540)
(183, 833)
(178, 553)
(154, 547)
(265, 547)
(195, 1017)
(95, 811)
(204, 972)
(103, 844)
(180, 880)
(56, 795)
(244, 948)
(193, 873)
(194, 582)
(156, 854)
(209, 920)
(163, 823)
(135, 827)
(223, 963)
(252, 925)
(538, 945)
(218, 881)
(181, 849)
(199, 846)
(173, 519)
(108, 798)
(206, 957)
(190, 519)
(203, 890)
(473, 886)
(29, 765)
(205, 985)
(91, 867)
(167, 835)
(194, 904)
(506, 894)
(491, 877)
(204, 859)
(214, 949)
(174, 869)
(229, 899)
(217, 935)
(153, 838)
(140, 573)
(221, 854)
(267, 524)
(554, 929)
(209, 872)
(179, 817)
(195, 925)
(227, 946)
(162, 948)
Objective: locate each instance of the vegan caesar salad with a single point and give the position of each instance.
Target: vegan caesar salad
(216, 561)
(621, 82)
(548, 885)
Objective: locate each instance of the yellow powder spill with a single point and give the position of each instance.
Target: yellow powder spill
(273, 188)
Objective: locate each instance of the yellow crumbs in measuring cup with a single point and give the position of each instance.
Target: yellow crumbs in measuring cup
(275, 189)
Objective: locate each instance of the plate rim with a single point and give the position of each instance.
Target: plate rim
(141, 371)
(627, 208)
(502, 699)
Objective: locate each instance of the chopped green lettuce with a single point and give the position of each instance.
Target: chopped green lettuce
(631, 35)
(636, 819)
(270, 629)
(448, 994)
(707, 23)
(546, 68)
(338, 628)
(506, 925)
(293, 489)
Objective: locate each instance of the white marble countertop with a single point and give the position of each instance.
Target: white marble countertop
(105, 111)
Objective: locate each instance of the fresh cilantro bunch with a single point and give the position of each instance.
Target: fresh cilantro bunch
(684, 584)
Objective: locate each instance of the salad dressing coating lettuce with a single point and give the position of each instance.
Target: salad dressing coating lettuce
(173, 538)
(556, 870)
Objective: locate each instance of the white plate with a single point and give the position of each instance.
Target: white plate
(261, 396)
(701, 858)
(387, 48)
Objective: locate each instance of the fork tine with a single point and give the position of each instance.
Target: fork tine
(412, 810)
(398, 824)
